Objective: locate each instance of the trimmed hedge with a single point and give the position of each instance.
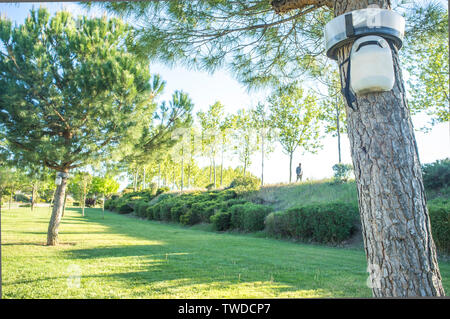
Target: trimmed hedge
(249, 217)
(437, 174)
(126, 209)
(439, 211)
(221, 221)
(322, 223)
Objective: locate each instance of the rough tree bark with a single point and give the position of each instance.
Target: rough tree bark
(400, 251)
(52, 233)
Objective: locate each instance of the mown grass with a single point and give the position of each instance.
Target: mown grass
(123, 257)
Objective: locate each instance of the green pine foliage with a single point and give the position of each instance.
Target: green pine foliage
(71, 90)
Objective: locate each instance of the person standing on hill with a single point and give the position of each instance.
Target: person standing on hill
(299, 172)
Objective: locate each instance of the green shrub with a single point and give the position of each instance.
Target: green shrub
(221, 221)
(242, 185)
(204, 210)
(254, 216)
(153, 212)
(248, 216)
(190, 218)
(439, 211)
(342, 172)
(322, 223)
(179, 208)
(109, 204)
(140, 208)
(436, 175)
(126, 209)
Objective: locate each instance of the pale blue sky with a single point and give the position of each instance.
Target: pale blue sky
(205, 89)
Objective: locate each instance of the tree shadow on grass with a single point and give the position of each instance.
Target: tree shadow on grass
(172, 258)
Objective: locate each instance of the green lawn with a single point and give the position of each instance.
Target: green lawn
(123, 257)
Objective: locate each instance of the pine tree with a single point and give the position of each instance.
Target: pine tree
(71, 93)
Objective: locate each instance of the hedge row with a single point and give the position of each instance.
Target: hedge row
(322, 223)
(245, 217)
(439, 210)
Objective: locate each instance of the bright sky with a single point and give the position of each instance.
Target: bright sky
(205, 89)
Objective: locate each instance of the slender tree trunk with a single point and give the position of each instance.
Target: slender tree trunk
(291, 154)
(395, 222)
(221, 167)
(338, 127)
(210, 170)
(159, 175)
(1, 198)
(135, 180)
(189, 175)
(55, 219)
(10, 199)
(214, 168)
(262, 159)
(182, 174)
(103, 206)
(143, 180)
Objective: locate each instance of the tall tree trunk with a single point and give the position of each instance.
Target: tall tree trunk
(262, 159)
(210, 170)
(103, 206)
(159, 175)
(221, 167)
(55, 219)
(214, 171)
(395, 222)
(182, 174)
(143, 179)
(338, 127)
(189, 175)
(291, 154)
(10, 199)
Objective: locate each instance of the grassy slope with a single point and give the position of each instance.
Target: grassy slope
(284, 196)
(122, 257)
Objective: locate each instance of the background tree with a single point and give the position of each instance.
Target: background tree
(262, 123)
(211, 132)
(104, 186)
(71, 92)
(36, 178)
(426, 59)
(6, 176)
(295, 119)
(332, 111)
(79, 187)
(225, 128)
(245, 137)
